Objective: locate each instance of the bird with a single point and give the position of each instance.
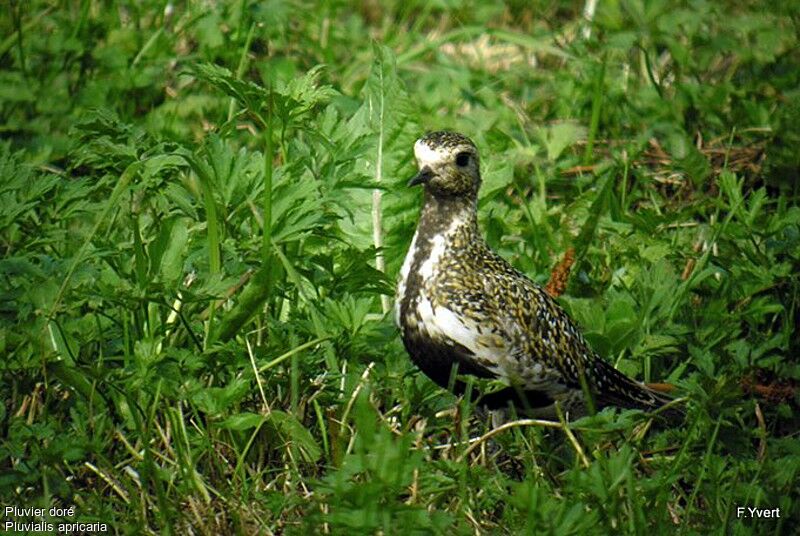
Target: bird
(462, 309)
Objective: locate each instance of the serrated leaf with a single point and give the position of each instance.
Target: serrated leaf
(389, 119)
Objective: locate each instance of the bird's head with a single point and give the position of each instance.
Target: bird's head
(448, 165)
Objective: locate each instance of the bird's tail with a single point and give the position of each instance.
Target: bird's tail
(619, 390)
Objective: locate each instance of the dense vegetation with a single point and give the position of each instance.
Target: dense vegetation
(194, 328)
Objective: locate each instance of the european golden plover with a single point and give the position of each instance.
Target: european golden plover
(461, 305)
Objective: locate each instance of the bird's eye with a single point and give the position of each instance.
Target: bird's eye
(462, 159)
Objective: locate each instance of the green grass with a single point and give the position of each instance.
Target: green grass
(192, 329)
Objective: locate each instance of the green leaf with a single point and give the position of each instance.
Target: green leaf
(389, 117)
(167, 251)
(243, 421)
(283, 424)
(558, 137)
(294, 431)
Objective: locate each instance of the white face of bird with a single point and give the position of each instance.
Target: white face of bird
(433, 157)
(448, 164)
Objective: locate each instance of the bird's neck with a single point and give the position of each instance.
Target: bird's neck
(439, 214)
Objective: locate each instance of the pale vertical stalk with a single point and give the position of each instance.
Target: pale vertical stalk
(377, 240)
(588, 15)
(377, 229)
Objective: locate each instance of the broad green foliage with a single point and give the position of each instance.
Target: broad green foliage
(192, 333)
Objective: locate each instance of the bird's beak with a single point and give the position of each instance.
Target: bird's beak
(425, 174)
